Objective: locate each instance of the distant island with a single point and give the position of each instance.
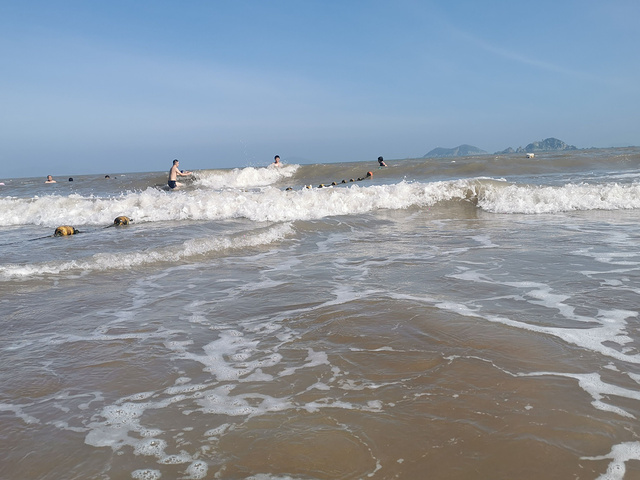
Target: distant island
(546, 145)
(461, 151)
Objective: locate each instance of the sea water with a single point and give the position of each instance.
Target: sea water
(468, 318)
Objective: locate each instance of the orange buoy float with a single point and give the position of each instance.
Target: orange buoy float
(65, 230)
(122, 220)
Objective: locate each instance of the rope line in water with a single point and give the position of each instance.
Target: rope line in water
(67, 230)
(332, 184)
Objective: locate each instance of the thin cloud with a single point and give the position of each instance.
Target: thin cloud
(525, 60)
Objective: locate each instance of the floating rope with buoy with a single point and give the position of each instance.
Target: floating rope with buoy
(66, 230)
(120, 221)
(368, 176)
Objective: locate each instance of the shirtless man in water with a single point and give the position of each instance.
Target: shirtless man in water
(173, 175)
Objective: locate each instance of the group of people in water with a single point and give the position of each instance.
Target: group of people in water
(51, 180)
(175, 172)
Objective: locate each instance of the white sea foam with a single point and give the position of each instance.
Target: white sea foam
(128, 260)
(620, 454)
(244, 177)
(234, 358)
(197, 470)
(612, 328)
(608, 326)
(275, 205)
(313, 359)
(146, 474)
(539, 199)
(599, 390)
(229, 344)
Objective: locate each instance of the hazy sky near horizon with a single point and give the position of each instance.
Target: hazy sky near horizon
(127, 86)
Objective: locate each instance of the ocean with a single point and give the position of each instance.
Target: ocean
(467, 318)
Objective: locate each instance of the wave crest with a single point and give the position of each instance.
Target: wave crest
(244, 177)
(128, 260)
(271, 204)
(570, 197)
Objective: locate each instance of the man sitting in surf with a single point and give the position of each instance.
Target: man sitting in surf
(173, 175)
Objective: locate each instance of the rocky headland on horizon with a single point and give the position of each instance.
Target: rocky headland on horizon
(546, 145)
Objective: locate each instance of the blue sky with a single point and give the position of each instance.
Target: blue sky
(127, 86)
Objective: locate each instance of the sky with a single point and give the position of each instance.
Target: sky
(127, 86)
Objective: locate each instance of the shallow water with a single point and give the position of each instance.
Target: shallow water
(458, 327)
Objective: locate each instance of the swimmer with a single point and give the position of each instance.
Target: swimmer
(50, 179)
(276, 160)
(173, 175)
(381, 162)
